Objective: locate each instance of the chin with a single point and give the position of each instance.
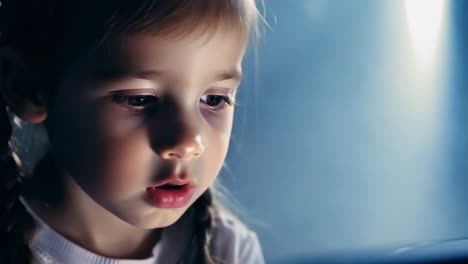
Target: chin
(159, 219)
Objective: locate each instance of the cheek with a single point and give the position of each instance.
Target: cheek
(216, 147)
(105, 152)
(219, 122)
(124, 160)
(124, 169)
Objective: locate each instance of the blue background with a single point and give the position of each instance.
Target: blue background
(345, 141)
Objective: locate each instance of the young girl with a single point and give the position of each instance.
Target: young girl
(137, 100)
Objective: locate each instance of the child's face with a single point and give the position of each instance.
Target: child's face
(175, 124)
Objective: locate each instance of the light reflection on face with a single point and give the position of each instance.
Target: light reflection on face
(157, 108)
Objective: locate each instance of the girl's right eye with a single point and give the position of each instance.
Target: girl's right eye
(136, 103)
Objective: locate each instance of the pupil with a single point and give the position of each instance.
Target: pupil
(140, 100)
(214, 100)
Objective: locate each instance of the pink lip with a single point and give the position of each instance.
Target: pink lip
(170, 197)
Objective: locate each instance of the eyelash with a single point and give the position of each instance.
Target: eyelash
(227, 101)
(125, 99)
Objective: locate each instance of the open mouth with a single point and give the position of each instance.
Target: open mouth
(169, 186)
(170, 195)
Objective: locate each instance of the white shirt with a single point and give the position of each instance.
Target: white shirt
(232, 242)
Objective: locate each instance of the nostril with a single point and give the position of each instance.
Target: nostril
(172, 155)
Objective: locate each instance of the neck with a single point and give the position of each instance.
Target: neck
(87, 224)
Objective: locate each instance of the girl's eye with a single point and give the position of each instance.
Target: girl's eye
(216, 102)
(136, 102)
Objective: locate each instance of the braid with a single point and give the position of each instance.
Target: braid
(203, 227)
(16, 225)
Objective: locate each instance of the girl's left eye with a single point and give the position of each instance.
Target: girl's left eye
(216, 102)
(135, 102)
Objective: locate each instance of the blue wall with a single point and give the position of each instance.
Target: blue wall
(348, 142)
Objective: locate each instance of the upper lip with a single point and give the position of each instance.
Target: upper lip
(175, 179)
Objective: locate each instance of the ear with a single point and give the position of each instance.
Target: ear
(19, 87)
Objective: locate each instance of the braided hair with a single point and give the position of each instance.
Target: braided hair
(16, 225)
(204, 214)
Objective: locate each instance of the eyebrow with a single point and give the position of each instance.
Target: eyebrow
(234, 74)
(113, 74)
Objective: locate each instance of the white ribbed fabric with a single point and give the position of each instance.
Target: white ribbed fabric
(232, 243)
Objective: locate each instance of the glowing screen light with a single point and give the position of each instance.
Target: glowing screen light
(426, 19)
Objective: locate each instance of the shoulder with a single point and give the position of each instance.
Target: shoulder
(233, 242)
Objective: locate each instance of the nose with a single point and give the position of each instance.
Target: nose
(175, 132)
(187, 147)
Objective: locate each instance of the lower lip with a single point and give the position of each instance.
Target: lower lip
(170, 198)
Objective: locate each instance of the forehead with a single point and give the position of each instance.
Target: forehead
(195, 54)
(141, 49)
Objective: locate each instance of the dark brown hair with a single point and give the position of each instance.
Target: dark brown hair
(50, 34)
